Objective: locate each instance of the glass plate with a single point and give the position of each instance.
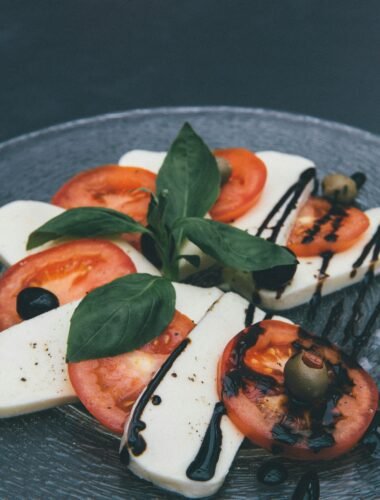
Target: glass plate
(63, 453)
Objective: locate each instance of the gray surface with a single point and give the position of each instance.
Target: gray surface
(67, 59)
(61, 453)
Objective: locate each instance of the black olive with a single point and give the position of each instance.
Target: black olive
(307, 487)
(272, 473)
(33, 301)
(275, 278)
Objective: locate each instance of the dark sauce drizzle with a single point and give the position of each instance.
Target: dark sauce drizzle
(374, 244)
(289, 199)
(333, 319)
(202, 468)
(307, 487)
(361, 340)
(316, 298)
(272, 473)
(136, 443)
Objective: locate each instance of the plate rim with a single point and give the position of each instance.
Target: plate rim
(131, 113)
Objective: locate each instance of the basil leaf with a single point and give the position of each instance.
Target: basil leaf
(233, 247)
(120, 317)
(84, 222)
(190, 176)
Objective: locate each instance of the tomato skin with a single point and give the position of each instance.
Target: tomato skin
(109, 186)
(108, 387)
(256, 408)
(314, 233)
(69, 270)
(175, 332)
(243, 188)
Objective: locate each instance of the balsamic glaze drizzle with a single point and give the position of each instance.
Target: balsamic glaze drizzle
(249, 314)
(361, 340)
(316, 298)
(136, 443)
(307, 487)
(289, 199)
(202, 468)
(333, 319)
(374, 244)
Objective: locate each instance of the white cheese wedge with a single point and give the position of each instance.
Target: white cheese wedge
(283, 171)
(19, 218)
(338, 273)
(33, 373)
(188, 391)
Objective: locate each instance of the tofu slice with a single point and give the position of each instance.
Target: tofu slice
(33, 372)
(174, 429)
(19, 218)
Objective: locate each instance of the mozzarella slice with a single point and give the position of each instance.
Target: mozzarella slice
(338, 273)
(19, 218)
(33, 372)
(174, 429)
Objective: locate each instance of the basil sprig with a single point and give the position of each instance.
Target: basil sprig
(84, 222)
(120, 317)
(190, 176)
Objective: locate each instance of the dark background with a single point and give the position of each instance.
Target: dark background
(66, 59)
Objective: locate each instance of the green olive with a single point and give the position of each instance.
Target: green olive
(224, 168)
(339, 188)
(306, 376)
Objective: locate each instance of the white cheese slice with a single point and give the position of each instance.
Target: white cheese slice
(338, 273)
(19, 218)
(175, 428)
(33, 372)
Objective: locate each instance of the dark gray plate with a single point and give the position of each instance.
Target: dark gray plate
(62, 453)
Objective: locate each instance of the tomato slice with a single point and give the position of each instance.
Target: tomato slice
(70, 271)
(243, 188)
(323, 227)
(251, 385)
(108, 387)
(110, 186)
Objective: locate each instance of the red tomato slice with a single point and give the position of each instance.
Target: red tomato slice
(251, 384)
(243, 188)
(110, 186)
(70, 271)
(322, 227)
(108, 387)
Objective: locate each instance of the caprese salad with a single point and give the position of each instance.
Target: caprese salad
(104, 300)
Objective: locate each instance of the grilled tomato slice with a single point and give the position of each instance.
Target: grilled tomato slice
(254, 387)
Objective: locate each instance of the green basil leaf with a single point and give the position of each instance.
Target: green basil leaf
(206, 278)
(233, 247)
(120, 317)
(84, 222)
(194, 260)
(190, 176)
